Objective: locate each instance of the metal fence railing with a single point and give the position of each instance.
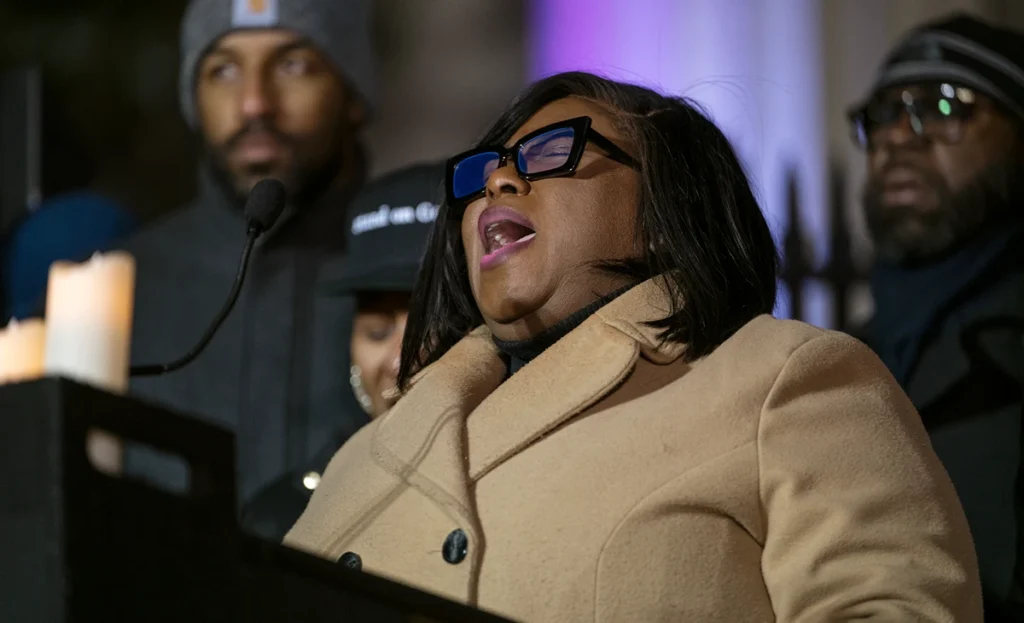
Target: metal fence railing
(839, 273)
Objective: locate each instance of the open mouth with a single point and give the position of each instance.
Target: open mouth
(502, 232)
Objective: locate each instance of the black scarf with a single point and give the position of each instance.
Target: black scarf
(911, 301)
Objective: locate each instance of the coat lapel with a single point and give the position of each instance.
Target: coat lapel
(422, 439)
(569, 377)
(459, 420)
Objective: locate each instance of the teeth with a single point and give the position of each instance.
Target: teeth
(504, 233)
(496, 238)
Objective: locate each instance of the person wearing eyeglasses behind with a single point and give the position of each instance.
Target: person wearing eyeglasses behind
(943, 131)
(599, 420)
(390, 221)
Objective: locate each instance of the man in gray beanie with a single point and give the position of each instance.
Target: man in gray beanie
(943, 129)
(275, 88)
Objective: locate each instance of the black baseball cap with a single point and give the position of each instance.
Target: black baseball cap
(391, 219)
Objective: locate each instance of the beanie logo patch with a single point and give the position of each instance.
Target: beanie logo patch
(254, 13)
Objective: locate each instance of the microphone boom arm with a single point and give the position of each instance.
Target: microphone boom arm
(229, 304)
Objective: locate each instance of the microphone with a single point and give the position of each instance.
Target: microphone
(262, 209)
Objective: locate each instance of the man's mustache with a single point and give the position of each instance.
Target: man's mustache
(929, 176)
(905, 163)
(257, 126)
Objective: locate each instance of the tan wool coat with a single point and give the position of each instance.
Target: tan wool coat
(784, 477)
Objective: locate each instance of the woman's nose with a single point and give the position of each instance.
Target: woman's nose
(506, 181)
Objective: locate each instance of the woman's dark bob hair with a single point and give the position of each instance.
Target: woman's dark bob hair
(698, 219)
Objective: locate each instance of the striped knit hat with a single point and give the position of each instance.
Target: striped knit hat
(963, 50)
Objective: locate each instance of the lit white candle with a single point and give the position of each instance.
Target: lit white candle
(21, 351)
(89, 320)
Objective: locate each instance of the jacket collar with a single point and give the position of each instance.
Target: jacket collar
(321, 224)
(458, 420)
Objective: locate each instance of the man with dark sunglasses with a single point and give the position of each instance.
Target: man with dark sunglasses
(943, 130)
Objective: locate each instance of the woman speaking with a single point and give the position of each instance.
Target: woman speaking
(599, 420)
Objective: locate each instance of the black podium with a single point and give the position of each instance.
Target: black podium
(79, 545)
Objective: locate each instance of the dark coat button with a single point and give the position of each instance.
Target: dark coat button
(351, 560)
(456, 546)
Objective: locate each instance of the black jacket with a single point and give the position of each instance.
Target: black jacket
(274, 509)
(953, 335)
(275, 372)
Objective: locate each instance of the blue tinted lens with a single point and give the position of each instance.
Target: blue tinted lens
(470, 174)
(860, 131)
(547, 151)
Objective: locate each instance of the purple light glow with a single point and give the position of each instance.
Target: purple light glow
(620, 39)
(755, 65)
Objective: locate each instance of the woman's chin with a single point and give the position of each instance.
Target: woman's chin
(507, 294)
(508, 311)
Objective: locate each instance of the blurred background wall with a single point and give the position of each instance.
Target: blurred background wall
(778, 75)
(109, 87)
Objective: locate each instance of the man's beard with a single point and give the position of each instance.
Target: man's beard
(908, 235)
(304, 180)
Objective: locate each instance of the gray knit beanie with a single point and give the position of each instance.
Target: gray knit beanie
(338, 28)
